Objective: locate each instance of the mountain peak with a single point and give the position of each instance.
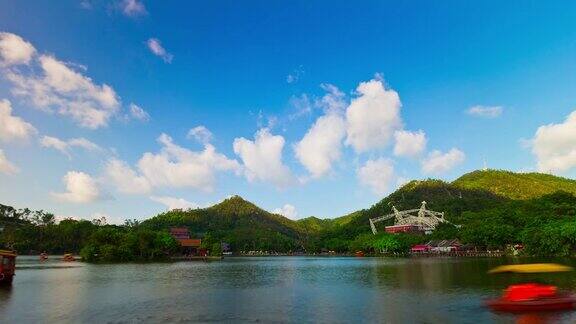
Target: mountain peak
(515, 185)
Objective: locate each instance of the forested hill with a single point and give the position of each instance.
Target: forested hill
(495, 208)
(474, 191)
(239, 222)
(516, 185)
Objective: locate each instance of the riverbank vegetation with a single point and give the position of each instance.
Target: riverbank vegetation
(494, 209)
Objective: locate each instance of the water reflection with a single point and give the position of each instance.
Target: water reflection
(296, 289)
(5, 294)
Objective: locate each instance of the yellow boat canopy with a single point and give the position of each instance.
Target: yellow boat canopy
(7, 253)
(531, 268)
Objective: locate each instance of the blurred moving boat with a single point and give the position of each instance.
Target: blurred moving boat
(7, 266)
(68, 257)
(532, 297)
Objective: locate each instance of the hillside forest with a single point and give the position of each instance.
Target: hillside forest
(493, 209)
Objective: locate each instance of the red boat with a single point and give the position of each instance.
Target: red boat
(7, 266)
(532, 297)
(557, 302)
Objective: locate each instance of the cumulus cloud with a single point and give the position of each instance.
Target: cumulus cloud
(554, 145)
(287, 211)
(132, 8)
(321, 146)
(125, 178)
(136, 112)
(65, 146)
(373, 116)
(57, 87)
(377, 174)
(155, 46)
(262, 158)
(485, 111)
(174, 167)
(12, 127)
(14, 50)
(6, 166)
(437, 162)
(174, 203)
(80, 188)
(201, 134)
(409, 144)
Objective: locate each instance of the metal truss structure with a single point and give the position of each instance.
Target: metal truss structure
(428, 219)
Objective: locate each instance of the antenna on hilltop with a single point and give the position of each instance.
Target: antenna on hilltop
(485, 167)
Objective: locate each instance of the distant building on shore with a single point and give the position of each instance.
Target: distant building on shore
(188, 246)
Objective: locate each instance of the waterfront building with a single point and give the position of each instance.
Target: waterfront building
(188, 245)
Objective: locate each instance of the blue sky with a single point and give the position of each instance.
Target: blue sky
(308, 108)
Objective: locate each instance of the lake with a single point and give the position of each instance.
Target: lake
(264, 289)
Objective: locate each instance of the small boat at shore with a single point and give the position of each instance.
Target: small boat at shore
(532, 297)
(7, 266)
(68, 257)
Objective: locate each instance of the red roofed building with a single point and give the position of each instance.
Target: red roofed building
(189, 245)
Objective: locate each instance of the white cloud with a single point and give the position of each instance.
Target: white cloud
(80, 188)
(409, 144)
(377, 174)
(201, 134)
(12, 127)
(138, 113)
(287, 211)
(302, 106)
(437, 162)
(68, 92)
(321, 146)
(133, 8)
(174, 203)
(373, 116)
(65, 146)
(295, 75)
(174, 167)
(125, 178)
(156, 48)
(485, 111)
(14, 50)
(334, 99)
(262, 158)
(554, 145)
(6, 166)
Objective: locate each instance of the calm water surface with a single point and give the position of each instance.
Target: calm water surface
(278, 289)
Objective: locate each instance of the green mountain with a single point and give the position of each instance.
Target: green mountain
(494, 209)
(238, 222)
(439, 195)
(466, 200)
(515, 185)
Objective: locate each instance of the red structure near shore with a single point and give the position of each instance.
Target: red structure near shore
(189, 246)
(7, 266)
